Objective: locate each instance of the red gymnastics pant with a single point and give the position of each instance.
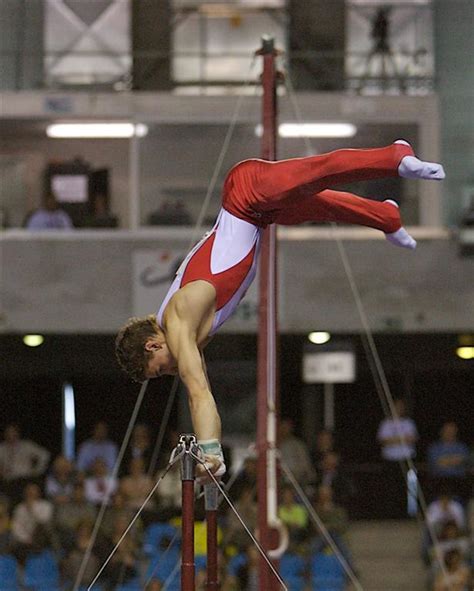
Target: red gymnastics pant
(298, 190)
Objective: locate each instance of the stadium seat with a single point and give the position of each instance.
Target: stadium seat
(8, 573)
(155, 535)
(132, 585)
(42, 572)
(327, 573)
(165, 566)
(292, 570)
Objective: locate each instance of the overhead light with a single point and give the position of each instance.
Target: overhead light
(465, 352)
(96, 130)
(320, 130)
(33, 340)
(319, 337)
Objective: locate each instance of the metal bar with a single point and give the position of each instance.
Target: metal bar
(267, 361)
(211, 505)
(187, 526)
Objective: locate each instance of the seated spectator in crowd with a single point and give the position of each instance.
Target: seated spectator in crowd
(458, 576)
(60, 481)
(324, 444)
(5, 531)
(293, 514)
(397, 437)
(448, 461)
(120, 511)
(123, 565)
(234, 533)
(27, 516)
(72, 563)
(243, 570)
(140, 446)
(21, 460)
(451, 537)
(246, 477)
(100, 485)
(446, 509)
(49, 216)
(294, 453)
(168, 495)
(100, 215)
(69, 516)
(137, 485)
(332, 475)
(333, 516)
(98, 446)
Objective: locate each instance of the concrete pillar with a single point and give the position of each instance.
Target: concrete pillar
(317, 28)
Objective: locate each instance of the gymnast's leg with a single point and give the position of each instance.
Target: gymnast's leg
(272, 179)
(347, 208)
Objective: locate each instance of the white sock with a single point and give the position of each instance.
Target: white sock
(412, 167)
(401, 236)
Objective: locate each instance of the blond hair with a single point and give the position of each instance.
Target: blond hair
(130, 345)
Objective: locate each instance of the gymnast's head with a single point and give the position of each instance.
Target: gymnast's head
(142, 351)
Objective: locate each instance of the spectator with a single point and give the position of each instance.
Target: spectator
(459, 576)
(446, 509)
(123, 565)
(234, 533)
(295, 453)
(28, 515)
(330, 474)
(60, 481)
(100, 215)
(324, 444)
(98, 446)
(168, 494)
(5, 532)
(448, 461)
(21, 460)
(72, 564)
(397, 436)
(49, 217)
(451, 537)
(293, 515)
(332, 515)
(69, 516)
(117, 512)
(100, 485)
(136, 486)
(140, 446)
(246, 477)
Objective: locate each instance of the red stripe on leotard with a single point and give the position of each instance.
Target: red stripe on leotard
(226, 282)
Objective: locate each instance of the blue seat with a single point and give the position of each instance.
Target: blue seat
(132, 585)
(327, 573)
(157, 534)
(163, 565)
(8, 573)
(42, 572)
(292, 570)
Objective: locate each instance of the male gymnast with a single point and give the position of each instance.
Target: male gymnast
(219, 269)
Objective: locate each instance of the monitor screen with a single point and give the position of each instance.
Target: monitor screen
(70, 188)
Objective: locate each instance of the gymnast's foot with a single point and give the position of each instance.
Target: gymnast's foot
(401, 236)
(411, 167)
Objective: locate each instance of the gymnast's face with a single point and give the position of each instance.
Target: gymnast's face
(161, 362)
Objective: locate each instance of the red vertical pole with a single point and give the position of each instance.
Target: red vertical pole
(211, 501)
(189, 445)
(267, 332)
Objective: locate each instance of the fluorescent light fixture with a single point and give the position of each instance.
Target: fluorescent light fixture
(319, 337)
(96, 130)
(33, 340)
(318, 130)
(465, 352)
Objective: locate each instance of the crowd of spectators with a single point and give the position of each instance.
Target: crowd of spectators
(49, 506)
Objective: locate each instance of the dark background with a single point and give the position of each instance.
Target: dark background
(421, 368)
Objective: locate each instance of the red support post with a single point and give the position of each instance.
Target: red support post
(211, 502)
(188, 446)
(267, 401)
